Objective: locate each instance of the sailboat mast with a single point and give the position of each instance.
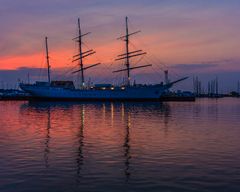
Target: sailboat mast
(48, 63)
(80, 52)
(127, 53)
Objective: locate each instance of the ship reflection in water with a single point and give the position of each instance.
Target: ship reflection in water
(120, 146)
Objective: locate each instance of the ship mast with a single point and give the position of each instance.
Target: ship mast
(48, 63)
(80, 51)
(82, 54)
(129, 54)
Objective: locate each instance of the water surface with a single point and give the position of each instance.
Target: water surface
(120, 146)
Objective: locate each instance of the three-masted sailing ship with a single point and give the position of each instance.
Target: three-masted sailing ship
(65, 90)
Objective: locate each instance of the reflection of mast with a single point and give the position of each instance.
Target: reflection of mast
(47, 150)
(126, 146)
(81, 143)
(166, 116)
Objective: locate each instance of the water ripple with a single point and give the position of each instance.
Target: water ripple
(120, 146)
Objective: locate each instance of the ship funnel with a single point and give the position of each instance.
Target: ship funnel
(166, 77)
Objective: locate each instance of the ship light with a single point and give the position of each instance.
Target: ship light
(122, 88)
(103, 88)
(112, 88)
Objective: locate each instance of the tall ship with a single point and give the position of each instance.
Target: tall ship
(66, 90)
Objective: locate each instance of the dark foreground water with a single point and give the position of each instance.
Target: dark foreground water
(120, 146)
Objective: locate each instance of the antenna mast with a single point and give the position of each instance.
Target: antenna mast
(48, 63)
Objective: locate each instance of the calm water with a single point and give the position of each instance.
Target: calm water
(120, 146)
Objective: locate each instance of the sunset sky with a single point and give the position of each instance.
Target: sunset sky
(187, 37)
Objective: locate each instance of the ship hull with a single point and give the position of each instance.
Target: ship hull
(143, 93)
